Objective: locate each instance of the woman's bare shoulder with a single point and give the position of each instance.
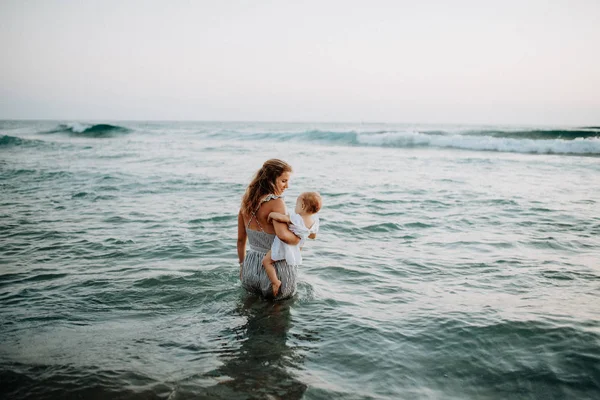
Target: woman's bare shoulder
(275, 205)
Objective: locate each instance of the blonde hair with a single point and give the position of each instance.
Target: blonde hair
(312, 202)
(263, 183)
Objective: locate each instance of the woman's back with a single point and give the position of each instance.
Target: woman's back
(258, 220)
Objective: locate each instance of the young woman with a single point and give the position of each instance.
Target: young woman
(264, 196)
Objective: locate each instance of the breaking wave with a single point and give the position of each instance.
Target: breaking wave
(582, 141)
(541, 134)
(513, 144)
(11, 141)
(91, 130)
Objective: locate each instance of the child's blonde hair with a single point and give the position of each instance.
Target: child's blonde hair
(312, 202)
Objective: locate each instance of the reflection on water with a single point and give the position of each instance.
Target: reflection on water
(262, 366)
(259, 357)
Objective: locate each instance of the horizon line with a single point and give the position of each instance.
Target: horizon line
(93, 120)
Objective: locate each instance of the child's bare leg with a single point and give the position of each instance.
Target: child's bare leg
(271, 273)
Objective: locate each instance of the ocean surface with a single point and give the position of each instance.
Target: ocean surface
(453, 262)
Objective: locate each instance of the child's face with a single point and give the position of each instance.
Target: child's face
(299, 205)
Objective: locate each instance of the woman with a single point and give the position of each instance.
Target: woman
(263, 196)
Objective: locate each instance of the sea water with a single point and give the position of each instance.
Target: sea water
(453, 262)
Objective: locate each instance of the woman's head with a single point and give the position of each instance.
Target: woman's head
(272, 178)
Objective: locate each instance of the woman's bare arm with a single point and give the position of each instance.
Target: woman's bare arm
(241, 241)
(281, 230)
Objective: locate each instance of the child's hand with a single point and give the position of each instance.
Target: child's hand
(278, 217)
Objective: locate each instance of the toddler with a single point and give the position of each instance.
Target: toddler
(304, 223)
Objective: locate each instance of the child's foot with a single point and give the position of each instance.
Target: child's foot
(276, 287)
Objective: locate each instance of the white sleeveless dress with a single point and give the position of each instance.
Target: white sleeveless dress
(291, 253)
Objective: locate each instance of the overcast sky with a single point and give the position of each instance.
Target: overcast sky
(459, 61)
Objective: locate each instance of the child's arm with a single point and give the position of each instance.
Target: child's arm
(279, 217)
(312, 236)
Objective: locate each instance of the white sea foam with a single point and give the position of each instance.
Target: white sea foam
(489, 143)
(77, 127)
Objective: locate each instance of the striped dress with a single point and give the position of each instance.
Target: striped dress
(254, 276)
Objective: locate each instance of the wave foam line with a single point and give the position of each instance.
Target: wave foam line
(583, 146)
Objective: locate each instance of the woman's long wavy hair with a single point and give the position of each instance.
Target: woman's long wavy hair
(263, 183)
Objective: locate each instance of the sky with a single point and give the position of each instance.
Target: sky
(461, 61)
